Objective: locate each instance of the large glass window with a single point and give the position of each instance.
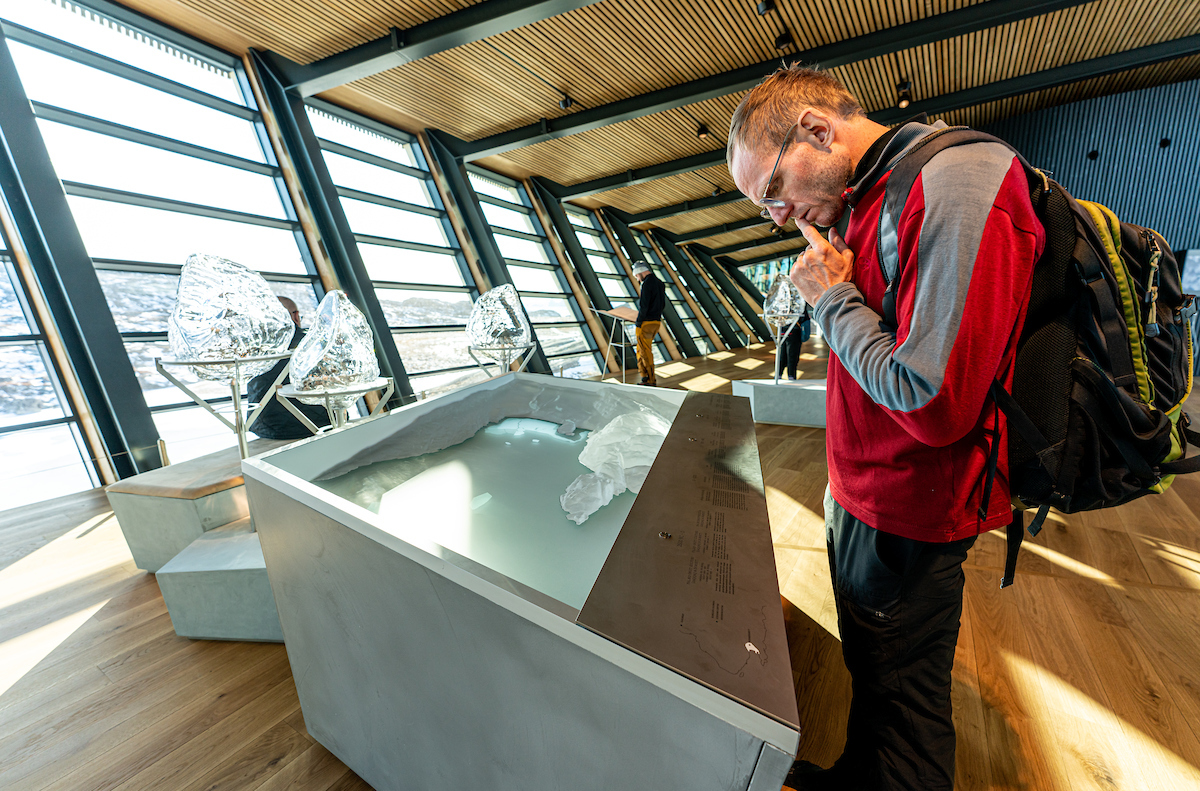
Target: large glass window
(558, 320)
(614, 280)
(42, 453)
(676, 297)
(162, 154)
(406, 242)
(763, 275)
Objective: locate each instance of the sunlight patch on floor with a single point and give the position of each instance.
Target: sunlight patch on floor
(24, 652)
(1104, 750)
(750, 365)
(81, 551)
(673, 369)
(720, 355)
(704, 383)
(1063, 561)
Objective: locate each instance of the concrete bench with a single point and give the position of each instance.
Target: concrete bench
(217, 588)
(790, 403)
(162, 511)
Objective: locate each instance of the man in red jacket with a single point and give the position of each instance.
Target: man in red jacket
(909, 419)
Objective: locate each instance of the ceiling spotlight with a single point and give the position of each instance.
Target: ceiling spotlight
(903, 94)
(566, 102)
(776, 230)
(717, 191)
(702, 132)
(766, 7)
(783, 40)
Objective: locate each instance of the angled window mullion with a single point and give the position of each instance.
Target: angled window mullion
(89, 123)
(371, 159)
(168, 204)
(529, 237)
(381, 200)
(387, 241)
(397, 284)
(494, 201)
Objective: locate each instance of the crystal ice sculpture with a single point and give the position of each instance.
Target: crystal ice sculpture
(783, 304)
(338, 353)
(619, 455)
(498, 327)
(225, 311)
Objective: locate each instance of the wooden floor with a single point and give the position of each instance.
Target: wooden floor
(1084, 675)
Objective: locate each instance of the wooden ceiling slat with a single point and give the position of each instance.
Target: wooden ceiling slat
(621, 48)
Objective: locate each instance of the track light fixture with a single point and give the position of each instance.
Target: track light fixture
(702, 132)
(766, 7)
(783, 40)
(566, 102)
(903, 94)
(716, 191)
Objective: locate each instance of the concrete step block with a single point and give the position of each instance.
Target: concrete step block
(217, 587)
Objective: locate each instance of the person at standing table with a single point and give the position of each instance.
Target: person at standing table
(793, 341)
(909, 415)
(651, 302)
(275, 421)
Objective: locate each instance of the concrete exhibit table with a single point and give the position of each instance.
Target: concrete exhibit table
(659, 662)
(799, 402)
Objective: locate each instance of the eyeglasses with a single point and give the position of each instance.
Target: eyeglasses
(775, 203)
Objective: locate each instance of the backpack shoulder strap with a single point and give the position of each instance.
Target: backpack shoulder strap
(900, 184)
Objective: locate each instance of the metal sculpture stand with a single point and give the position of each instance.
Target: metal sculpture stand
(338, 416)
(240, 423)
(622, 322)
(507, 356)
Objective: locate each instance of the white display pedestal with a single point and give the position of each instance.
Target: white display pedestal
(799, 402)
(423, 667)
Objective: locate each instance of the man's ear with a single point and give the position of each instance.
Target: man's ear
(815, 128)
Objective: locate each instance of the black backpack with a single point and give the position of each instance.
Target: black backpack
(1103, 363)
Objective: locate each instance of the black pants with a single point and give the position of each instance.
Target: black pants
(791, 352)
(899, 605)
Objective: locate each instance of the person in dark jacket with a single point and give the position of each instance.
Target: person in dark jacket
(275, 422)
(650, 309)
(791, 342)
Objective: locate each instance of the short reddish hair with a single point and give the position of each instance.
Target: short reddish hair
(766, 113)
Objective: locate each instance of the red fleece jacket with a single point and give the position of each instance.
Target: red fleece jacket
(908, 414)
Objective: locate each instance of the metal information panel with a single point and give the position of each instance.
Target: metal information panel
(691, 580)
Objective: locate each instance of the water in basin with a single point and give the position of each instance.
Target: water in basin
(495, 500)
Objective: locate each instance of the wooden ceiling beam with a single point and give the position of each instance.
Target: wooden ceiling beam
(716, 230)
(749, 243)
(982, 94)
(398, 47)
(1047, 78)
(674, 209)
(762, 259)
(641, 175)
(933, 28)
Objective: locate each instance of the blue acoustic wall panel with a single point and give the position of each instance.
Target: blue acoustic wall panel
(1137, 153)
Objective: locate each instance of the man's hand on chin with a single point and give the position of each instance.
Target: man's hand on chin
(824, 263)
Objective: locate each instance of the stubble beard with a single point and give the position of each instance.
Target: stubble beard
(829, 180)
